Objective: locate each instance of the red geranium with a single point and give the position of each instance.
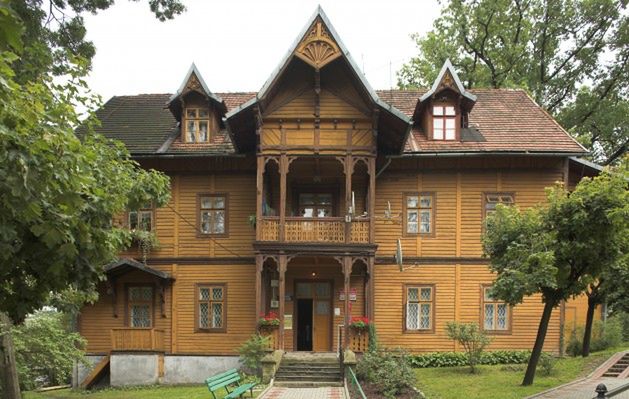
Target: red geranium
(359, 322)
(270, 319)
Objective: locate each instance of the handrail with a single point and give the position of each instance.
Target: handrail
(354, 381)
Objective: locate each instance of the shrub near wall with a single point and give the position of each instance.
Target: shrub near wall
(457, 359)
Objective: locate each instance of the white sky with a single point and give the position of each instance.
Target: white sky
(236, 44)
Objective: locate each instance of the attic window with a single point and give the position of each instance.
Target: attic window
(443, 122)
(196, 125)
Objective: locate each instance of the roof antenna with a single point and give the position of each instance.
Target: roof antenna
(390, 76)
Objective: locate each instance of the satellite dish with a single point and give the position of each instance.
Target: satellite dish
(399, 258)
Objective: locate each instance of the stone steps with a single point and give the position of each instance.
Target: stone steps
(307, 370)
(618, 368)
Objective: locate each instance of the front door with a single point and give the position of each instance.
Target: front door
(314, 315)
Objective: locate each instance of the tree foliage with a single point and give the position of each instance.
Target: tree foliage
(46, 350)
(58, 193)
(572, 55)
(558, 249)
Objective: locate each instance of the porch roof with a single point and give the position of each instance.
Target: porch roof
(126, 265)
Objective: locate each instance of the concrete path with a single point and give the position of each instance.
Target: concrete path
(304, 393)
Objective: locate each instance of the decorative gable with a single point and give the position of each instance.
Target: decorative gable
(318, 48)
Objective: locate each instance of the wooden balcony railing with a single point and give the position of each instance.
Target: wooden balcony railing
(325, 230)
(358, 340)
(137, 339)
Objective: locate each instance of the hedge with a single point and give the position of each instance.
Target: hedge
(453, 359)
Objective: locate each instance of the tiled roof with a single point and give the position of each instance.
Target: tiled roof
(508, 120)
(502, 120)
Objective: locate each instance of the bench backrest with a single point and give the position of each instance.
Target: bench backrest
(222, 380)
(220, 375)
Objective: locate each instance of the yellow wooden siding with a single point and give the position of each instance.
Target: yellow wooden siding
(97, 320)
(527, 186)
(389, 308)
(241, 319)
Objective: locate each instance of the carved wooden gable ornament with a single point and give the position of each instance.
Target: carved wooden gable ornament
(317, 48)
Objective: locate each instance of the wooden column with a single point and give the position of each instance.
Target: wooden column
(349, 169)
(372, 199)
(259, 196)
(283, 172)
(259, 264)
(347, 272)
(283, 264)
(370, 300)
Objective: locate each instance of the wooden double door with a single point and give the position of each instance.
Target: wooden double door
(313, 314)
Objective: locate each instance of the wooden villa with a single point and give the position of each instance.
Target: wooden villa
(295, 202)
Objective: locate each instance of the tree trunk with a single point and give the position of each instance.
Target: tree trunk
(539, 342)
(587, 334)
(9, 383)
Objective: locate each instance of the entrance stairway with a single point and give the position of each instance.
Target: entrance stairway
(619, 367)
(304, 370)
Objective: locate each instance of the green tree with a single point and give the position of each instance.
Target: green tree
(58, 193)
(611, 288)
(45, 350)
(557, 249)
(571, 55)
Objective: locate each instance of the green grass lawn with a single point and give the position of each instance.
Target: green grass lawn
(503, 382)
(154, 392)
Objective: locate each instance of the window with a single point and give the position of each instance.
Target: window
(197, 124)
(211, 307)
(419, 213)
(419, 308)
(443, 122)
(140, 306)
(213, 214)
(141, 219)
(315, 205)
(491, 200)
(495, 314)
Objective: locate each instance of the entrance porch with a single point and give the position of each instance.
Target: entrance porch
(315, 298)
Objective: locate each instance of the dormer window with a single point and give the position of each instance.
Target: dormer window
(197, 125)
(443, 122)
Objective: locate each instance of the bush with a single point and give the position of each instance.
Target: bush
(623, 319)
(608, 334)
(472, 338)
(546, 363)
(251, 353)
(45, 351)
(373, 337)
(605, 335)
(389, 371)
(575, 344)
(458, 359)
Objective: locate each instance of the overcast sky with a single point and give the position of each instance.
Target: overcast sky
(236, 44)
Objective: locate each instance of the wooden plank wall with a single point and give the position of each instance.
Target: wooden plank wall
(458, 188)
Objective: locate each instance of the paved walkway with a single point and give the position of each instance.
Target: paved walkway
(586, 389)
(304, 393)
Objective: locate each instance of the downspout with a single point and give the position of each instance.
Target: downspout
(384, 167)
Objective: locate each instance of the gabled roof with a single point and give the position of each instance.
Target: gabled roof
(319, 13)
(445, 69)
(125, 265)
(194, 71)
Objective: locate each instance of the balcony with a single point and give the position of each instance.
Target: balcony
(319, 230)
(137, 339)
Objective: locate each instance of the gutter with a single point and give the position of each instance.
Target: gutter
(475, 154)
(186, 155)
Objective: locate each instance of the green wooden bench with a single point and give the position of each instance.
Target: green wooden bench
(230, 379)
